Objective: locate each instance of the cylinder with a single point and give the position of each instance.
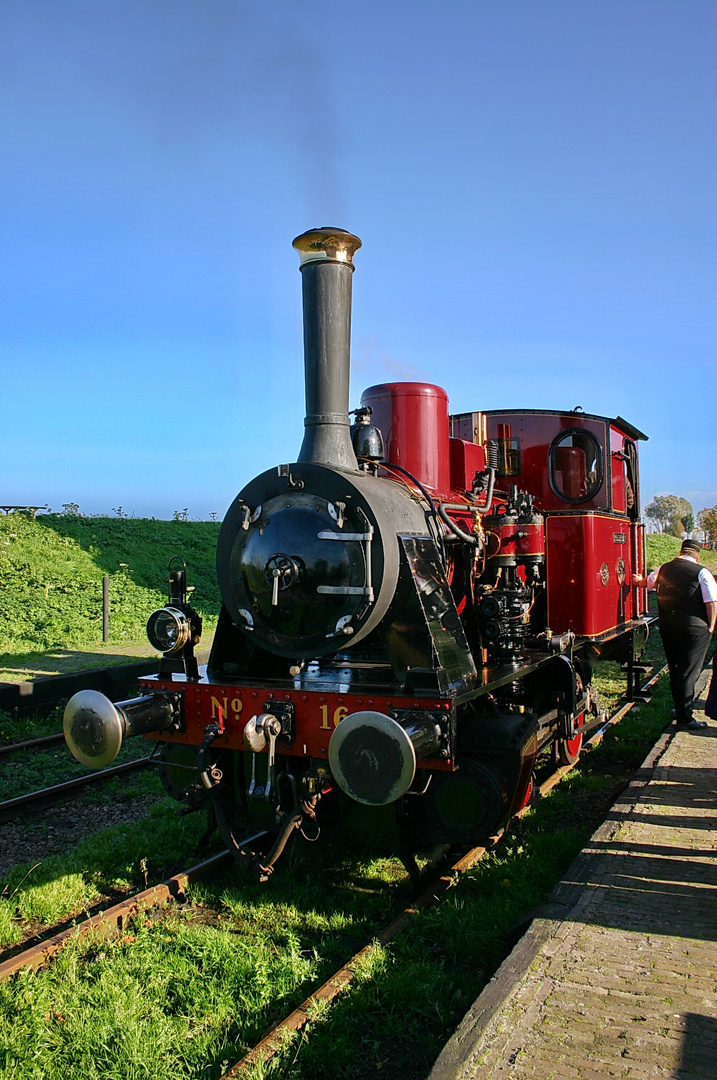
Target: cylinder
(373, 757)
(94, 727)
(413, 419)
(326, 270)
(521, 542)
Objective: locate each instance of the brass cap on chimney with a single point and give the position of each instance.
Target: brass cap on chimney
(320, 245)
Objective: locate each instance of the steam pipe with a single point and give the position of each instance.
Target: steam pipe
(326, 270)
(468, 538)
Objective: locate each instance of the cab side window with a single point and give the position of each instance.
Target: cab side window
(575, 465)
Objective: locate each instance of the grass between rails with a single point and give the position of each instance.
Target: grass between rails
(116, 860)
(29, 771)
(32, 724)
(185, 988)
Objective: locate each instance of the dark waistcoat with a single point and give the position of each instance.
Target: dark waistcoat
(679, 599)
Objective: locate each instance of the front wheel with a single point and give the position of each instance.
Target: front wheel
(569, 749)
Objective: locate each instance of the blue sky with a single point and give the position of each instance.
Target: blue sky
(533, 181)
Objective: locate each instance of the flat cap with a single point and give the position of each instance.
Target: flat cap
(691, 545)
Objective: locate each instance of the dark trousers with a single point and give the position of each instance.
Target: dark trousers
(685, 650)
(711, 702)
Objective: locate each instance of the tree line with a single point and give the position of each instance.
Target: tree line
(674, 515)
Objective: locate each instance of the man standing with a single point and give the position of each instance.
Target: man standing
(687, 608)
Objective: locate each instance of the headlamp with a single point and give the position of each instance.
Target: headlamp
(168, 629)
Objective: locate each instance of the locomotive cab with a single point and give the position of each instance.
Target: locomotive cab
(583, 472)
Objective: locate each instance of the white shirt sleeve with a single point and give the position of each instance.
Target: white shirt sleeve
(652, 579)
(708, 586)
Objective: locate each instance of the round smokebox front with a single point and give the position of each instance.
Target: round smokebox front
(300, 562)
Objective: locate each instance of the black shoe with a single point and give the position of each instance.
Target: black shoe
(694, 725)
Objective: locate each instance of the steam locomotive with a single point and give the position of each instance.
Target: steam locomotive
(411, 612)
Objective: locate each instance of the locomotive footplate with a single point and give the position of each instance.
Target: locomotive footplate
(314, 715)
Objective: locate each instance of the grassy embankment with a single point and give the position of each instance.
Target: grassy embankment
(51, 571)
(661, 548)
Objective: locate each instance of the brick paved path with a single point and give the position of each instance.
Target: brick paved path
(619, 979)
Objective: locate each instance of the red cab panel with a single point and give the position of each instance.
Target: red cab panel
(560, 458)
(588, 569)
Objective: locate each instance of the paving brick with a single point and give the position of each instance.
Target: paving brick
(622, 981)
(549, 1068)
(594, 1074)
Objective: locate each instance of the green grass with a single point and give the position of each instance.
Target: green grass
(51, 571)
(112, 860)
(30, 725)
(26, 771)
(661, 548)
(158, 1003)
(179, 996)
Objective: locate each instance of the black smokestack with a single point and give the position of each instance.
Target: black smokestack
(326, 270)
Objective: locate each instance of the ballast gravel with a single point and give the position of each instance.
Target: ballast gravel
(38, 835)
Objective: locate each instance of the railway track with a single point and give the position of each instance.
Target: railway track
(37, 800)
(112, 920)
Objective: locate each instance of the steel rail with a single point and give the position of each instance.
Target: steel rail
(35, 800)
(111, 920)
(44, 742)
(275, 1041)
